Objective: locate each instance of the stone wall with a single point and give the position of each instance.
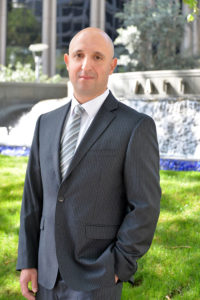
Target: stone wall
(17, 97)
(156, 83)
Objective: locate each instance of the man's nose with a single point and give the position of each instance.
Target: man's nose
(86, 63)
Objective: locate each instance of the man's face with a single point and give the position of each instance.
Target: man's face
(89, 63)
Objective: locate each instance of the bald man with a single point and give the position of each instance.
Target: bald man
(91, 195)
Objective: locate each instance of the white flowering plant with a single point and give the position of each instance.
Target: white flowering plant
(127, 41)
(23, 73)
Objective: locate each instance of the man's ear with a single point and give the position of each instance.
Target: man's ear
(113, 65)
(66, 59)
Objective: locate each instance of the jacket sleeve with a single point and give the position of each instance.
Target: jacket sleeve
(31, 209)
(142, 186)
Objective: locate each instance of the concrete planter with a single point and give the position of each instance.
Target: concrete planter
(18, 97)
(12, 93)
(156, 83)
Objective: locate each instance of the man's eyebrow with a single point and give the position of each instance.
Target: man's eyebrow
(99, 53)
(77, 51)
(82, 51)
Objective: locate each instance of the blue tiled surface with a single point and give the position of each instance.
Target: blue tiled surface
(165, 164)
(14, 151)
(179, 165)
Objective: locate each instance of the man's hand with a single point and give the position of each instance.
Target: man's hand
(116, 278)
(28, 275)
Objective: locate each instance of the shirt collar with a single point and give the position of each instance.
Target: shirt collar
(91, 107)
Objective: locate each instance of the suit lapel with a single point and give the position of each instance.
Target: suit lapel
(100, 123)
(58, 126)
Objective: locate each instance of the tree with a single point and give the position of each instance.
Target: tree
(193, 5)
(151, 35)
(23, 30)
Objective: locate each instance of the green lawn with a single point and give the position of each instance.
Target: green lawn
(170, 270)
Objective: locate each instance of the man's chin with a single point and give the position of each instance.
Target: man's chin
(85, 90)
(85, 94)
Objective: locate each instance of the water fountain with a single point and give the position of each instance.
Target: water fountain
(16, 140)
(178, 127)
(172, 99)
(177, 117)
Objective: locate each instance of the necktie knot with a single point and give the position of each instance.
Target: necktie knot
(78, 110)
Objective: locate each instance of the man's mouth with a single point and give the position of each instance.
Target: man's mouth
(86, 77)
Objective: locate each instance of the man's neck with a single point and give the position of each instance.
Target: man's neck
(83, 99)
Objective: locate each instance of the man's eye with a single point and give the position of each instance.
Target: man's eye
(78, 55)
(97, 57)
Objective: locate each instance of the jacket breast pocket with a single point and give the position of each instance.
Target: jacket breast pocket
(104, 152)
(101, 231)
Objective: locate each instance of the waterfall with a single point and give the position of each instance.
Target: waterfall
(177, 120)
(21, 134)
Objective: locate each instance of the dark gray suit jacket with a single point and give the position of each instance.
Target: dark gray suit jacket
(101, 218)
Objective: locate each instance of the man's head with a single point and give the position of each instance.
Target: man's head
(90, 62)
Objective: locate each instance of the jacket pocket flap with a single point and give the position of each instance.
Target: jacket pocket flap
(101, 231)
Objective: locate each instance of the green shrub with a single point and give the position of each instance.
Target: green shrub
(151, 36)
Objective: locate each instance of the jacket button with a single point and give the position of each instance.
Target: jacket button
(61, 199)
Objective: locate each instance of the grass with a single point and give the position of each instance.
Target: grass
(12, 170)
(171, 268)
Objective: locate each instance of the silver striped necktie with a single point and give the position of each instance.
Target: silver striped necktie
(69, 139)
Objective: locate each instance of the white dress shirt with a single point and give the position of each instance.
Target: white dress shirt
(91, 108)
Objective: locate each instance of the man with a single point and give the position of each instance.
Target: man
(91, 195)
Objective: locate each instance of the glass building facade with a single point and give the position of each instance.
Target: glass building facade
(25, 26)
